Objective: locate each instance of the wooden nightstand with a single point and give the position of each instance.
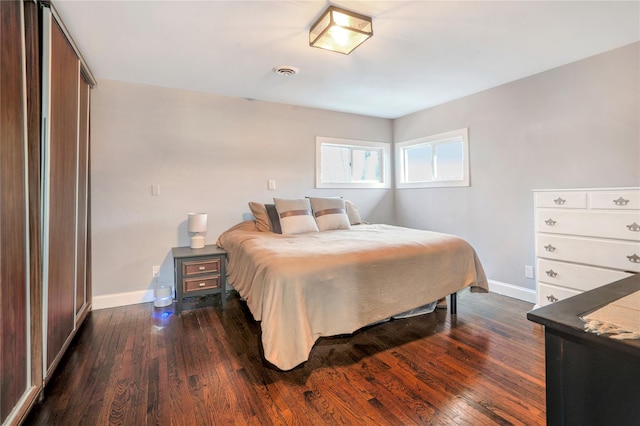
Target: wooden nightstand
(199, 272)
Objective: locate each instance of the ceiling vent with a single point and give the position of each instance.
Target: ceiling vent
(286, 70)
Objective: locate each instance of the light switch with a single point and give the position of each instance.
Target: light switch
(155, 189)
(272, 184)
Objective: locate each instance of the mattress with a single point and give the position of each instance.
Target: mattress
(305, 286)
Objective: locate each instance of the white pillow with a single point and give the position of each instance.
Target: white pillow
(353, 213)
(330, 213)
(295, 215)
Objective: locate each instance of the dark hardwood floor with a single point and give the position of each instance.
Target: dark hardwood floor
(139, 365)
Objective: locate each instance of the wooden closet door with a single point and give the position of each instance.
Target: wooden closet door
(13, 224)
(62, 160)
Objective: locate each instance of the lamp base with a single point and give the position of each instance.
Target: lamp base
(197, 242)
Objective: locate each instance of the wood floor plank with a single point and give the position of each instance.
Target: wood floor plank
(143, 365)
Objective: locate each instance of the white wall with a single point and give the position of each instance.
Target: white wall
(573, 126)
(209, 154)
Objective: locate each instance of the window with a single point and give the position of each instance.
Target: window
(433, 161)
(344, 163)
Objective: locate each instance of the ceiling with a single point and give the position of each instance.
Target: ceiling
(422, 53)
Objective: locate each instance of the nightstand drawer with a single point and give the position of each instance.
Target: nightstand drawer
(195, 267)
(203, 283)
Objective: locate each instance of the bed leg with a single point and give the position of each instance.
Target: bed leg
(453, 303)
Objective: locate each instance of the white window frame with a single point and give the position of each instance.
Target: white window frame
(385, 163)
(434, 140)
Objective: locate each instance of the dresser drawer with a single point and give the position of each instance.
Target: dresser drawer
(548, 294)
(577, 277)
(195, 267)
(623, 255)
(562, 200)
(202, 283)
(623, 225)
(615, 200)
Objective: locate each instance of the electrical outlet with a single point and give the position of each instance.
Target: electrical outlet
(528, 271)
(156, 271)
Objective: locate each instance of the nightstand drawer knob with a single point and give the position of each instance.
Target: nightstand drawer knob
(552, 273)
(559, 201)
(550, 222)
(202, 284)
(201, 268)
(550, 248)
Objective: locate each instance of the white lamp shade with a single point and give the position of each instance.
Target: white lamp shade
(197, 222)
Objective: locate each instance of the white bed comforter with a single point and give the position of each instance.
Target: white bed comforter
(302, 287)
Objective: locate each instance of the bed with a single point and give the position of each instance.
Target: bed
(308, 285)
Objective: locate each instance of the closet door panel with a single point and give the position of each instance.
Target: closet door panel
(34, 158)
(83, 168)
(13, 224)
(63, 116)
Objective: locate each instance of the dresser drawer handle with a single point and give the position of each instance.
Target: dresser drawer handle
(550, 248)
(550, 222)
(634, 227)
(559, 201)
(202, 284)
(552, 273)
(201, 268)
(634, 258)
(551, 298)
(620, 202)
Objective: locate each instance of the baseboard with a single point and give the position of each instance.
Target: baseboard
(121, 299)
(510, 290)
(143, 296)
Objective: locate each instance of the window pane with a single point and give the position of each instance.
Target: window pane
(366, 166)
(417, 163)
(335, 164)
(448, 161)
(347, 163)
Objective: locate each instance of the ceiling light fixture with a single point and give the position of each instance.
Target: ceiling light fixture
(340, 30)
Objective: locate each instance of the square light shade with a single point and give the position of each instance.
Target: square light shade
(340, 30)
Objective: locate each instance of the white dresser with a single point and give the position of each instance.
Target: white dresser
(585, 238)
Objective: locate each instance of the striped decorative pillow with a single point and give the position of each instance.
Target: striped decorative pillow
(295, 215)
(330, 213)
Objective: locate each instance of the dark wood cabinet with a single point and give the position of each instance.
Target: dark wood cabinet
(45, 287)
(65, 152)
(60, 118)
(14, 279)
(591, 379)
(199, 272)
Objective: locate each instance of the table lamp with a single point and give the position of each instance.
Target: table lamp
(198, 226)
